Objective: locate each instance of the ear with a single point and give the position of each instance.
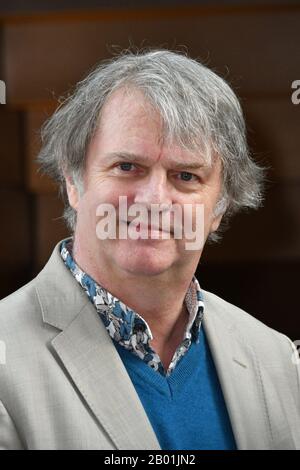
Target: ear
(72, 191)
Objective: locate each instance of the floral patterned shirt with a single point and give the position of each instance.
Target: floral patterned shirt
(127, 327)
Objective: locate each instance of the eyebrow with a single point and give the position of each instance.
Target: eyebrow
(132, 157)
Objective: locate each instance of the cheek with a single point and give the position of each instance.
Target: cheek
(99, 194)
(109, 190)
(106, 193)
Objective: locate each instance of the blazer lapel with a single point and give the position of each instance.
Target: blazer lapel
(88, 354)
(91, 359)
(239, 385)
(247, 392)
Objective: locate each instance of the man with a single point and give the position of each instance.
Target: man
(114, 345)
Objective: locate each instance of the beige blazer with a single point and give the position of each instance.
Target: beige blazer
(63, 385)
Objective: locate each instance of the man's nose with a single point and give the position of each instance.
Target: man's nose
(154, 189)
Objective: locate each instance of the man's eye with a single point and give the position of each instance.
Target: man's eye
(126, 166)
(186, 176)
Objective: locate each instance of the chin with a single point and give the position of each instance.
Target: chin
(147, 264)
(146, 270)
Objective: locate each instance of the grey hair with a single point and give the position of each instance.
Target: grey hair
(199, 111)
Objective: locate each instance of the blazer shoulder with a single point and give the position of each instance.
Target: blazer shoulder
(19, 308)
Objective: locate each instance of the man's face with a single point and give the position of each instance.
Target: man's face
(128, 157)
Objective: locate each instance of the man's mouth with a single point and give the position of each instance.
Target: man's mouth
(147, 228)
(150, 228)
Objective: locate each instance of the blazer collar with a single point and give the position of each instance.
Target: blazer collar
(88, 354)
(60, 297)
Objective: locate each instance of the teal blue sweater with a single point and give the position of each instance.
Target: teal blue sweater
(187, 409)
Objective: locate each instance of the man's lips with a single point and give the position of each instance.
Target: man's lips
(146, 227)
(149, 228)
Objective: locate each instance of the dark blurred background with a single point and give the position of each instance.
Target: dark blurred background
(47, 46)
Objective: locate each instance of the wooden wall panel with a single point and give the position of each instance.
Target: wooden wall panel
(274, 133)
(272, 232)
(268, 290)
(11, 173)
(15, 233)
(257, 48)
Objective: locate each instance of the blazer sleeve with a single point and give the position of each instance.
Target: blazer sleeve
(9, 438)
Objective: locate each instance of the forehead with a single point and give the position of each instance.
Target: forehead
(130, 124)
(127, 111)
